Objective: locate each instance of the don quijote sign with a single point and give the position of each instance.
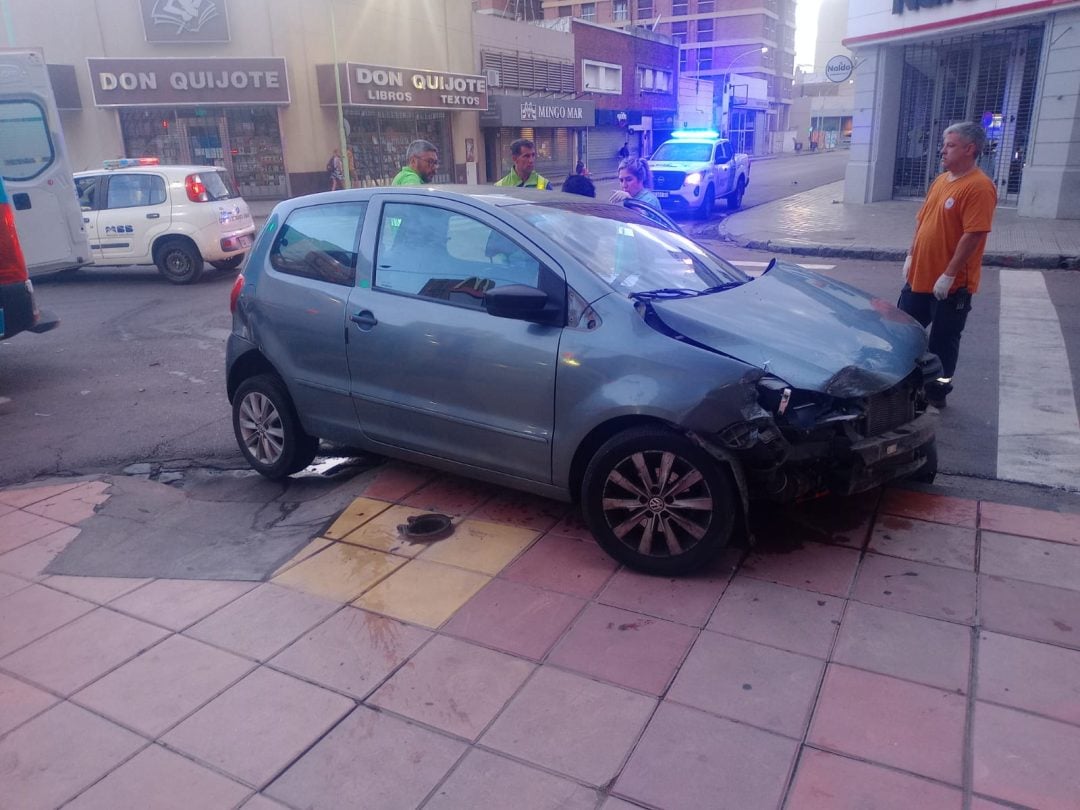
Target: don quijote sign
(171, 82)
(383, 86)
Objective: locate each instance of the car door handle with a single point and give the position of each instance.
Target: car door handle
(365, 319)
(153, 216)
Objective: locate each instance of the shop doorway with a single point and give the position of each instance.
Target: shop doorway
(988, 78)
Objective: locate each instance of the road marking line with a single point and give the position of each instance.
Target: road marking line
(766, 264)
(1038, 426)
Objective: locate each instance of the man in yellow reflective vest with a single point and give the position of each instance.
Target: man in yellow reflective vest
(523, 153)
(421, 163)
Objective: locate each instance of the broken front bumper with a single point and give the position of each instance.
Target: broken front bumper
(888, 456)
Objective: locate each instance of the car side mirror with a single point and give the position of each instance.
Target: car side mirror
(518, 301)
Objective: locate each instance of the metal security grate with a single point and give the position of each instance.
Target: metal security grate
(988, 78)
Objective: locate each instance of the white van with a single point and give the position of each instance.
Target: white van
(36, 169)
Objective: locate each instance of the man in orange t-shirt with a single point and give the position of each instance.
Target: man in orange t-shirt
(942, 269)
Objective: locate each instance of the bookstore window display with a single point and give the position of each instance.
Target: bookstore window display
(244, 140)
(378, 141)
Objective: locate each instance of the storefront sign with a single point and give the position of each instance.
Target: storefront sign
(173, 82)
(838, 68)
(383, 86)
(518, 111)
(185, 21)
(899, 6)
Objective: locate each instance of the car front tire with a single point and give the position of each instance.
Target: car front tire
(657, 502)
(735, 199)
(705, 210)
(268, 430)
(180, 262)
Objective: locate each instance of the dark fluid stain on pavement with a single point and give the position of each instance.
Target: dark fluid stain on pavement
(887, 593)
(821, 602)
(747, 687)
(1060, 625)
(893, 522)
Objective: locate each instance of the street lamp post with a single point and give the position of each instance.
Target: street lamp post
(726, 123)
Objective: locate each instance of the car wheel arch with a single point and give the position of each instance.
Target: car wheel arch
(596, 438)
(171, 236)
(248, 365)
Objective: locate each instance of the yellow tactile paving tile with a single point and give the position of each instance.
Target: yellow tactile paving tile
(315, 546)
(423, 593)
(341, 572)
(380, 532)
(480, 546)
(355, 514)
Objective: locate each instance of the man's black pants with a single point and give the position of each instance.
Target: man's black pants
(946, 320)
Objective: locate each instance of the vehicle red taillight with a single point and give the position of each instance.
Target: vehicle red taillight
(196, 189)
(12, 263)
(234, 295)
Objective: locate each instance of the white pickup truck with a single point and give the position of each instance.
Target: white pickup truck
(695, 168)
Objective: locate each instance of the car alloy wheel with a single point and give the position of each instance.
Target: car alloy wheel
(657, 502)
(267, 429)
(180, 262)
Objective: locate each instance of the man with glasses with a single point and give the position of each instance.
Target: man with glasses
(523, 154)
(421, 159)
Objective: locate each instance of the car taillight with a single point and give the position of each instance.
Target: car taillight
(196, 189)
(234, 295)
(12, 263)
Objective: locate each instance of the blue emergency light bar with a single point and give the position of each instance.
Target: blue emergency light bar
(696, 134)
(127, 163)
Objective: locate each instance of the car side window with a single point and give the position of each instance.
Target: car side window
(131, 190)
(723, 153)
(319, 242)
(446, 256)
(86, 188)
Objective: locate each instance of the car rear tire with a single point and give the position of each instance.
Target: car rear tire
(708, 202)
(735, 198)
(180, 262)
(230, 263)
(268, 430)
(657, 502)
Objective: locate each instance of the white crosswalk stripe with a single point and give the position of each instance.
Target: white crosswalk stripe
(1038, 426)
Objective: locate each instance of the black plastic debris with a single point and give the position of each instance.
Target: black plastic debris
(431, 526)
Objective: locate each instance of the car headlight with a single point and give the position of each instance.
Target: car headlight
(692, 179)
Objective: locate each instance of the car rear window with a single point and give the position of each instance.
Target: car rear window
(219, 185)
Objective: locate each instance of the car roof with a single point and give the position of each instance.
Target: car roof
(152, 167)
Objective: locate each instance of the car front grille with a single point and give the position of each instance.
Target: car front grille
(668, 181)
(889, 409)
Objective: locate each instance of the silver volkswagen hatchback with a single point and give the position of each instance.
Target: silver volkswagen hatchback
(574, 349)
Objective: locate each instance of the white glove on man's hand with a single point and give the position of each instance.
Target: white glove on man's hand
(942, 286)
(618, 196)
(907, 267)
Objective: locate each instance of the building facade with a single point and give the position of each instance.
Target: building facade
(250, 84)
(1011, 65)
(719, 40)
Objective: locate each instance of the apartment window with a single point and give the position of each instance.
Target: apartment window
(679, 31)
(565, 11)
(683, 59)
(769, 30)
(644, 9)
(768, 59)
(588, 11)
(704, 59)
(620, 10)
(705, 6)
(601, 77)
(680, 7)
(705, 30)
(653, 80)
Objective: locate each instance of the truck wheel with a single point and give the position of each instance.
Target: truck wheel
(705, 210)
(734, 200)
(179, 261)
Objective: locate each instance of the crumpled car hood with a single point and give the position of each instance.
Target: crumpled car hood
(815, 333)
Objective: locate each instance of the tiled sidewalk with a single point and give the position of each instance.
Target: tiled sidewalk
(916, 651)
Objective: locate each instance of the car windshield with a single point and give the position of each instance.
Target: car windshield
(683, 152)
(632, 254)
(219, 186)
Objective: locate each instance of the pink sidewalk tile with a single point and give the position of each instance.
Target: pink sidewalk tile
(926, 506)
(1064, 527)
(450, 495)
(19, 702)
(263, 621)
(521, 509)
(905, 725)
(1025, 759)
(905, 646)
(163, 685)
(260, 802)
(24, 496)
(179, 603)
(1027, 609)
(572, 525)
(58, 754)
(689, 760)
(826, 781)
(1041, 561)
(454, 686)
(19, 528)
(395, 480)
(260, 725)
(74, 655)
(353, 651)
(789, 618)
(518, 619)
(563, 564)
(842, 521)
(100, 590)
(29, 561)
(369, 760)
(175, 783)
(688, 599)
(624, 648)
(748, 682)
(484, 780)
(30, 613)
(914, 587)
(73, 506)
(813, 567)
(934, 543)
(9, 584)
(571, 725)
(1029, 675)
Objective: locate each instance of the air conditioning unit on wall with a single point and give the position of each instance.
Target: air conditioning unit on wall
(492, 76)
